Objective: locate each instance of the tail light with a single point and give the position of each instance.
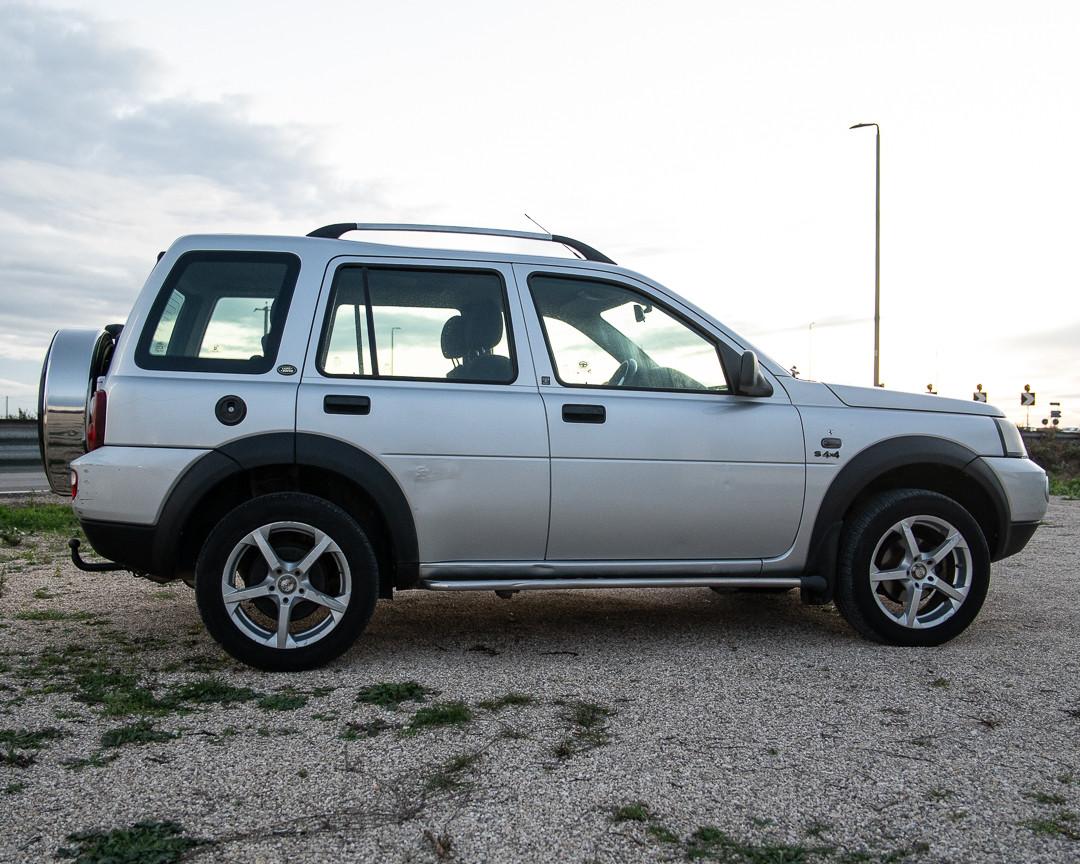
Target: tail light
(74, 484)
(95, 425)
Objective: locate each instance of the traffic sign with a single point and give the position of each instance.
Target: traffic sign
(1027, 399)
(979, 395)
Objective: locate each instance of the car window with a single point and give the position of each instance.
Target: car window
(640, 344)
(219, 312)
(417, 323)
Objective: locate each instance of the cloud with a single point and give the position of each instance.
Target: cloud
(97, 175)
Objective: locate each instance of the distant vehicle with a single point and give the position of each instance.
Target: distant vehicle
(297, 426)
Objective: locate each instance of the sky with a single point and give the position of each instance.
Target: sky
(705, 145)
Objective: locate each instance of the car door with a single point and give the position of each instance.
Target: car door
(652, 456)
(424, 366)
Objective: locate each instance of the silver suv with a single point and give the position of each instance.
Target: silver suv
(297, 426)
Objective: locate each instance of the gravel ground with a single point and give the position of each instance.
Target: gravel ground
(657, 726)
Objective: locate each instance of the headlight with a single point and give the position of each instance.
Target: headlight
(1011, 440)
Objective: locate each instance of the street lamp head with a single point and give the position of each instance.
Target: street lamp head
(863, 125)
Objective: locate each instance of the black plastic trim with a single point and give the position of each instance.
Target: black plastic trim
(319, 451)
(130, 546)
(333, 232)
(878, 459)
(1018, 535)
(585, 249)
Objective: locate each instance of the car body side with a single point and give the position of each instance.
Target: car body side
(170, 470)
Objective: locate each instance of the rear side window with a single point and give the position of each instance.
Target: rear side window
(421, 324)
(220, 312)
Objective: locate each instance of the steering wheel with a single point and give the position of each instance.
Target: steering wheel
(626, 371)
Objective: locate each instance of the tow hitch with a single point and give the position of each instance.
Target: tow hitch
(90, 566)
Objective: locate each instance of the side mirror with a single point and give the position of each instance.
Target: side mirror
(751, 381)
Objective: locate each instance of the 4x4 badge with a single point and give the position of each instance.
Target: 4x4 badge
(286, 369)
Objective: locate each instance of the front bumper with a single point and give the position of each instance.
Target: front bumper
(1016, 538)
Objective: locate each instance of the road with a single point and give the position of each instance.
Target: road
(23, 480)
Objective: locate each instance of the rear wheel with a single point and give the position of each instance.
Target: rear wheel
(913, 568)
(286, 582)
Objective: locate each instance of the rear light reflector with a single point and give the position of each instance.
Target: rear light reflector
(95, 427)
(74, 484)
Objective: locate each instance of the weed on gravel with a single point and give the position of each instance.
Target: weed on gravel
(142, 843)
(439, 714)
(589, 728)
(510, 700)
(449, 776)
(392, 694)
(355, 731)
(211, 690)
(142, 732)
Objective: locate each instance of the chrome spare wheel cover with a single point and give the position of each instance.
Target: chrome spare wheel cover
(286, 585)
(921, 572)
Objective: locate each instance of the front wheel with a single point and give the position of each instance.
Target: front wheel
(913, 568)
(286, 582)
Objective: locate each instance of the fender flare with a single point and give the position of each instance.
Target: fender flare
(879, 459)
(299, 450)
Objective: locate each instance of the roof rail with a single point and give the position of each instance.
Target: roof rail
(334, 232)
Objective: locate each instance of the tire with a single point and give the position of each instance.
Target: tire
(265, 549)
(875, 543)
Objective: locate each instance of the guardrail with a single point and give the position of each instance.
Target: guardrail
(19, 444)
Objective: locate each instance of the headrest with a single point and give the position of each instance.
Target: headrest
(483, 326)
(453, 338)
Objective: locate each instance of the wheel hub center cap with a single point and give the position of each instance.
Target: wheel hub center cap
(918, 571)
(287, 584)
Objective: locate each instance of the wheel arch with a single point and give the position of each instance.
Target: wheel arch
(277, 462)
(908, 461)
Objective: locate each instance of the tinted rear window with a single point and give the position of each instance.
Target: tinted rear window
(220, 312)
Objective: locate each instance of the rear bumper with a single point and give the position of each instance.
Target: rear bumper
(122, 542)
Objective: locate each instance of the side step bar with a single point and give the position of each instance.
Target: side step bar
(562, 584)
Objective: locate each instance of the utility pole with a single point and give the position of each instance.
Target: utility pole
(877, 248)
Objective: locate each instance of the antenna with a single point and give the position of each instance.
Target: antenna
(537, 224)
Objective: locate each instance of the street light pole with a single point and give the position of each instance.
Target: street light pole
(877, 248)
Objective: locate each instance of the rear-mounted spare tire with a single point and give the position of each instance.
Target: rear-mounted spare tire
(73, 363)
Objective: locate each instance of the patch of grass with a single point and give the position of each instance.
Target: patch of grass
(142, 843)
(588, 728)
(449, 775)
(288, 700)
(14, 788)
(39, 519)
(940, 682)
(1061, 824)
(636, 811)
(510, 700)
(24, 739)
(439, 714)
(392, 694)
(12, 758)
(142, 732)
(1070, 487)
(355, 731)
(662, 833)
(43, 594)
(212, 690)
(94, 760)
(53, 615)
(1044, 798)
(711, 842)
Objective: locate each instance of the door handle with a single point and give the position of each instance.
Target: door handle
(346, 404)
(584, 413)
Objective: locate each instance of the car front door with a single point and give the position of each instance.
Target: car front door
(425, 367)
(652, 456)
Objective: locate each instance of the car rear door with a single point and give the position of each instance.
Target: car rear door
(668, 464)
(424, 365)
